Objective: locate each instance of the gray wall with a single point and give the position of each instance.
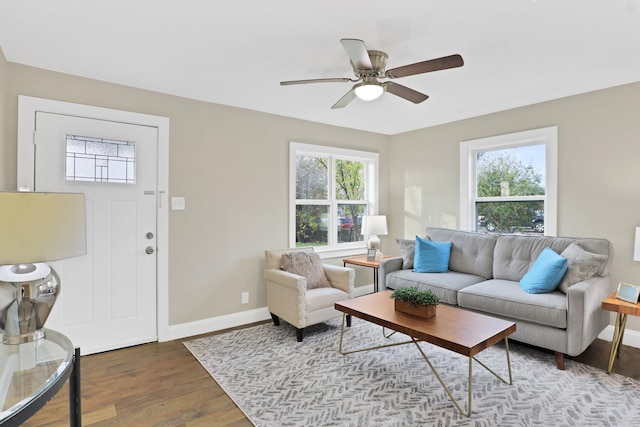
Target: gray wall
(598, 170)
(230, 164)
(6, 163)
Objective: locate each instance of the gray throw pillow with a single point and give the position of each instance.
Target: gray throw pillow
(306, 264)
(408, 251)
(581, 265)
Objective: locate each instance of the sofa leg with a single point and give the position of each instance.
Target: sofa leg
(276, 319)
(560, 360)
(299, 334)
(348, 320)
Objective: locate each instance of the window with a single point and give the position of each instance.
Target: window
(508, 183)
(100, 160)
(331, 189)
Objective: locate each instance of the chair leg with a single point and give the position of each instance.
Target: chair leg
(299, 334)
(348, 320)
(276, 319)
(560, 360)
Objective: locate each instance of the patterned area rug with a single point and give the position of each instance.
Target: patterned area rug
(277, 381)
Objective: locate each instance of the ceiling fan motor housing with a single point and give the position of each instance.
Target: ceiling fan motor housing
(378, 62)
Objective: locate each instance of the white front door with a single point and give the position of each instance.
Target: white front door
(108, 296)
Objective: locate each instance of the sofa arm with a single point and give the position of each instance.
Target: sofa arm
(342, 278)
(585, 316)
(387, 265)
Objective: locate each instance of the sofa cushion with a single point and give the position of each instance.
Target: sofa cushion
(471, 253)
(582, 265)
(308, 265)
(444, 285)
(514, 255)
(505, 298)
(408, 251)
(321, 298)
(545, 274)
(431, 257)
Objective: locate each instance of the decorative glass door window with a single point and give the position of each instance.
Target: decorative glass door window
(100, 160)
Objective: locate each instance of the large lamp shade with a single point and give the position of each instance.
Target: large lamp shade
(35, 228)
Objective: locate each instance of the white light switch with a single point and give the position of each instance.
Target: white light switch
(177, 203)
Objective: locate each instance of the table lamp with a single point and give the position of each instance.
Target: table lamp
(374, 226)
(34, 228)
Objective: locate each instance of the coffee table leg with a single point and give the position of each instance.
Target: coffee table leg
(342, 333)
(510, 382)
(470, 383)
(344, 353)
(433, 369)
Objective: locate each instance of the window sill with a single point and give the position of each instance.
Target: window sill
(341, 253)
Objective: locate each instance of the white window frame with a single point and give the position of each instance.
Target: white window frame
(371, 161)
(468, 154)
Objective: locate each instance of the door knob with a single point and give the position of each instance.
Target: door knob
(149, 250)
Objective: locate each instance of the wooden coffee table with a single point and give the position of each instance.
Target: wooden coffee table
(464, 332)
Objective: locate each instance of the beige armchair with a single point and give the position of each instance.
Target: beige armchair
(289, 299)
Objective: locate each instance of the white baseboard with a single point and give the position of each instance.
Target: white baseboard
(213, 324)
(204, 326)
(631, 337)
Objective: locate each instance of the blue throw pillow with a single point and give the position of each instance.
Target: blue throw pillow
(545, 273)
(431, 257)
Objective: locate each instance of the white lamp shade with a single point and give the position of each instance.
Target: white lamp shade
(39, 227)
(636, 246)
(374, 225)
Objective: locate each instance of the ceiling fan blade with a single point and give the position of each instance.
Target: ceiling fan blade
(357, 52)
(443, 63)
(330, 80)
(347, 98)
(405, 92)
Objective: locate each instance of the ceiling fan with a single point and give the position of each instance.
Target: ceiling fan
(369, 66)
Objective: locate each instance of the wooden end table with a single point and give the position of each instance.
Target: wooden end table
(455, 329)
(622, 308)
(362, 262)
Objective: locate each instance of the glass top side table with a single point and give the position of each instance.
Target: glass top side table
(32, 373)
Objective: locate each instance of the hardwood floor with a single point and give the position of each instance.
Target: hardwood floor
(161, 384)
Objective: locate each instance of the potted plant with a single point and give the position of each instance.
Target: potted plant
(415, 301)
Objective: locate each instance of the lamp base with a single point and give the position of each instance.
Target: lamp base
(374, 242)
(27, 295)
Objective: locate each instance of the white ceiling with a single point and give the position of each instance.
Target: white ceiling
(516, 52)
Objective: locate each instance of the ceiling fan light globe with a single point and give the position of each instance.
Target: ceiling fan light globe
(369, 92)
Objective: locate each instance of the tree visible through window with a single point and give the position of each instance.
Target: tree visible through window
(334, 189)
(508, 182)
(510, 190)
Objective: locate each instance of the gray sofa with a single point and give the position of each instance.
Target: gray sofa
(484, 274)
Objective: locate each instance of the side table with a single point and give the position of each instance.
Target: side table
(32, 373)
(622, 308)
(362, 262)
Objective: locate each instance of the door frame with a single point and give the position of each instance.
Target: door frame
(27, 108)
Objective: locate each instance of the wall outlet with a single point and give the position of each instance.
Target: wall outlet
(245, 297)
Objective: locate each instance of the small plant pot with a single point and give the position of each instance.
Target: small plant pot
(425, 311)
